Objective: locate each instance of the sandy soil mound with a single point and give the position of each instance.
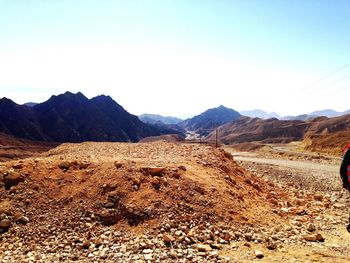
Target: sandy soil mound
(76, 198)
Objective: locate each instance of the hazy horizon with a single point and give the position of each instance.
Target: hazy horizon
(177, 58)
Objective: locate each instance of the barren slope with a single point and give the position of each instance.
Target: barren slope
(129, 202)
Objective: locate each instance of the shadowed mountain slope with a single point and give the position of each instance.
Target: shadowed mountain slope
(74, 118)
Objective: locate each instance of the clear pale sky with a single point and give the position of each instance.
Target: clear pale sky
(179, 57)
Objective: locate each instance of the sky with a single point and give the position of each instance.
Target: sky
(179, 57)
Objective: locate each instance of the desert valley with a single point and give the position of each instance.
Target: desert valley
(108, 187)
(174, 131)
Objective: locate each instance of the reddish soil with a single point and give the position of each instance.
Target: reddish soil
(196, 194)
(14, 148)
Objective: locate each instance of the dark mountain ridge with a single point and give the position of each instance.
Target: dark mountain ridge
(210, 119)
(74, 118)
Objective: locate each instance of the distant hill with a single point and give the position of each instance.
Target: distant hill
(309, 116)
(74, 118)
(327, 113)
(248, 129)
(260, 114)
(155, 118)
(210, 119)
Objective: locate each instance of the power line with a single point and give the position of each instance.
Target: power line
(331, 83)
(301, 93)
(327, 76)
(337, 91)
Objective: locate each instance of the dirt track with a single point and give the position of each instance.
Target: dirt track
(306, 174)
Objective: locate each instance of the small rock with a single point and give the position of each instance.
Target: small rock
(258, 254)
(168, 239)
(314, 238)
(320, 238)
(118, 165)
(23, 220)
(216, 246)
(318, 197)
(17, 166)
(182, 167)
(203, 248)
(86, 244)
(154, 171)
(272, 245)
(12, 179)
(5, 224)
(98, 242)
(311, 227)
(65, 165)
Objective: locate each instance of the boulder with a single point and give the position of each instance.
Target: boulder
(5, 207)
(5, 224)
(258, 254)
(65, 165)
(12, 179)
(153, 171)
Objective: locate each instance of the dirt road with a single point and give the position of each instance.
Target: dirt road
(334, 169)
(305, 173)
(292, 169)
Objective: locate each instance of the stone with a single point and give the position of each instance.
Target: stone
(23, 220)
(216, 246)
(65, 165)
(203, 248)
(5, 207)
(12, 179)
(271, 245)
(153, 171)
(258, 254)
(182, 167)
(248, 236)
(86, 244)
(318, 197)
(118, 165)
(319, 238)
(168, 239)
(98, 242)
(17, 166)
(311, 227)
(310, 238)
(5, 224)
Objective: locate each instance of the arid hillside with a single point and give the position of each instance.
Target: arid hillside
(120, 201)
(15, 148)
(254, 129)
(332, 133)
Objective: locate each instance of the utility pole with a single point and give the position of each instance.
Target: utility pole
(200, 136)
(216, 137)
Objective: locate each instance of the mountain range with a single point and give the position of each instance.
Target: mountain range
(272, 130)
(156, 118)
(207, 121)
(260, 114)
(267, 115)
(74, 118)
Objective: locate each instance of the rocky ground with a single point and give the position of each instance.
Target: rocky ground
(163, 202)
(316, 175)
